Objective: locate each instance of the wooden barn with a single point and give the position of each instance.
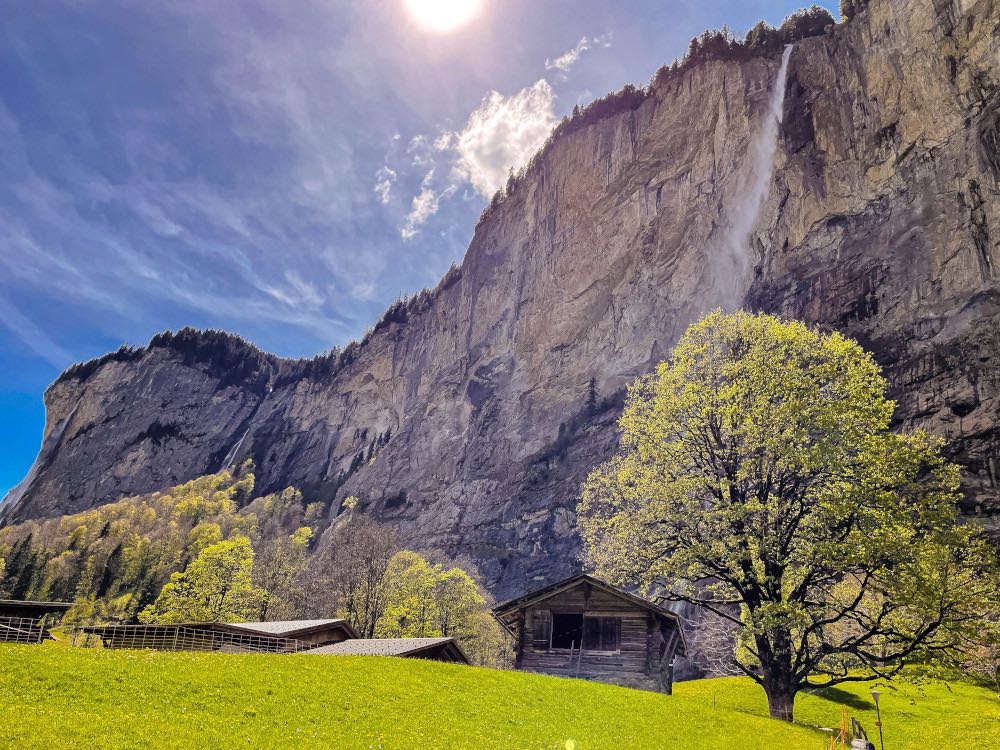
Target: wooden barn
(583, 627)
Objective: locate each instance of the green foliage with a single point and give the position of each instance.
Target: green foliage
(216, 587)
(362, 573)
(277, 572)
(134, 545)
(429, 600)
(758, 478)
(174, 556)
(806, 23)
(53, 697)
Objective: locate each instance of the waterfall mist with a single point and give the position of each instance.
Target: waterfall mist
(733, 256)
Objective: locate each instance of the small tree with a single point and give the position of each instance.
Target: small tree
(592, 396)
(277, 571)
(428, 600)
(348, 574)
(216, 587)
(410, 606)
(758, 478)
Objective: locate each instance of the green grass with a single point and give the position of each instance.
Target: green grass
(60, 697)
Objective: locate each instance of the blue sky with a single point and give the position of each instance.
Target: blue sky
(279, 169)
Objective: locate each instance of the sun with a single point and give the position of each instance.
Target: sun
(443, 15)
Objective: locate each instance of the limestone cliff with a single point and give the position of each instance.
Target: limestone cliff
(464, 417)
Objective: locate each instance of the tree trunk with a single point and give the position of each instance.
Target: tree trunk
(775, 652)
(781, 702)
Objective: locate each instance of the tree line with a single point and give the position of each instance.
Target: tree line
(209, 551)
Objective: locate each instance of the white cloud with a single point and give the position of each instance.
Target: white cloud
(503, 134)
(443, 142)
(567, 60)
(420, 151)
(425, 205)
(384, 178)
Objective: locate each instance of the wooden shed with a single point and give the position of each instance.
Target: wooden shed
(583, 627)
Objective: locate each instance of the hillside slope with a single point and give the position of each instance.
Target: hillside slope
(468, 407)
(77, 698)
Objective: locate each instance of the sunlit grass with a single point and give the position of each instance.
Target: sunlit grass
(60, 697)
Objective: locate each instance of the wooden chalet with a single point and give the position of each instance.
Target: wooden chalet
(583, 627)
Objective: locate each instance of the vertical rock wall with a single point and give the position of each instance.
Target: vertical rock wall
(470, 413)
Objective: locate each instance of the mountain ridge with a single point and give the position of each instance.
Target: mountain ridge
(468, 408)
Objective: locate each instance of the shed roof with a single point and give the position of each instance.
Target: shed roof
(39, 606)
(388, 647)
(292, 628)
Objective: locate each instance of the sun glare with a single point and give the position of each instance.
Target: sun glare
(443, 15)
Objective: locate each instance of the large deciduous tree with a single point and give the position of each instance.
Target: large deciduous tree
(758, 478)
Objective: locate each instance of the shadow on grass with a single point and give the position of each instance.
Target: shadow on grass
(843, 697)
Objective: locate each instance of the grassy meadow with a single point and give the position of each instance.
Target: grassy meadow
(61, 697)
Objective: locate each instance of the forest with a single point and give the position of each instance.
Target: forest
(210, 550)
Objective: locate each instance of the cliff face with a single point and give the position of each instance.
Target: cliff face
(471, 411)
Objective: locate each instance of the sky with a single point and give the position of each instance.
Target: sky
(284, 170)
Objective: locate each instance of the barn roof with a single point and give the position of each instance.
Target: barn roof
(388, 647)
(41, 607)
(292, 628)
(533, 597)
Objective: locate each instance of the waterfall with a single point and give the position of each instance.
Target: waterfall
(227, 461)
(752, 189)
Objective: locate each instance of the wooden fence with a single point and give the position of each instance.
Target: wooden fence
(22, 630)
(182, 638)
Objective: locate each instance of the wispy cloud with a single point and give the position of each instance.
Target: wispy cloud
(498, 137)
(132, 217)
(425, 204)
(384, 178)
(33, 337)
(564, 62)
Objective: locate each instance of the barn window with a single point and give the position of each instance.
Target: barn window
(602, 633)
(541, 625)
(567, 630)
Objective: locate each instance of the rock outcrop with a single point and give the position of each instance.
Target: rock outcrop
(468, 417)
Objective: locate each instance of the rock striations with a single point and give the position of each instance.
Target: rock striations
(470, 416)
